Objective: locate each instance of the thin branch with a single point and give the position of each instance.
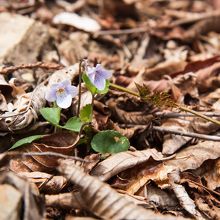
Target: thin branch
(54, 154)
(122, 31)
(188, 134)
(6, 70)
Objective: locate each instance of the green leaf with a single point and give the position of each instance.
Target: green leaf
(86, 113)
(109, 141)
(26, 140)
(73, 124)
(51, 114)
(89, 84)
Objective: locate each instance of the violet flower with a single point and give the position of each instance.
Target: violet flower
(98, 76)
(62, 93)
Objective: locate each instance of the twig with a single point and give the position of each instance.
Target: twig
(54, 154)
(188, 134)
(122, 31)
(6, 70)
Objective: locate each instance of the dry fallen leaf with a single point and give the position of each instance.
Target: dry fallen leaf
(63, 142)
(97, 192)
(186, 202)
(32, 204)
(191, 157)
(123, 161)
(174, 142)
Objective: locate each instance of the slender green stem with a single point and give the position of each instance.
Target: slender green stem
(183, 108)
(198, 114)
(120, 88)
(80, 87)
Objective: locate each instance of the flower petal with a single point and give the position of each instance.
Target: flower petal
(103, 72)
(51, 95)
(99, 82)
(64, 101)
(72, 90)
(65, 83)
(91, 73)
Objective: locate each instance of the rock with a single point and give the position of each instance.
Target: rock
(22, 38)
(10, 202)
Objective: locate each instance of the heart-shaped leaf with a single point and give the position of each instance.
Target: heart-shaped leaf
(73, 124)
(109, 141)
(52, 115)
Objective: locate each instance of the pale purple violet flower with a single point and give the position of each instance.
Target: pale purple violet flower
(62, 93)
(98, 76)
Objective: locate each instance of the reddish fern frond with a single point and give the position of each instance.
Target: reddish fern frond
(159, 99)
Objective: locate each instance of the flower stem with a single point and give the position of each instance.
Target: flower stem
(183, 108)
(120, 88)
(80, 86)
(198, 114)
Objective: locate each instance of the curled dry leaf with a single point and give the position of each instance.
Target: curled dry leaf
(101, 199)
(45, 182)
(123, 161)
(32, 204)
(10, 202)
(63, 143)
(75, 200)
(186, 202)
(213, 176)
(160, 198)
(191, 157)
(210, 212)
(208, 78)
(156, 73)
(70, 200)
(127, 132)
(174, 142)
(6, 89)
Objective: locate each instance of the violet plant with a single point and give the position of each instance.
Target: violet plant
(96, 80)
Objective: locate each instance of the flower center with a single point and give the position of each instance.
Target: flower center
(60, 91)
